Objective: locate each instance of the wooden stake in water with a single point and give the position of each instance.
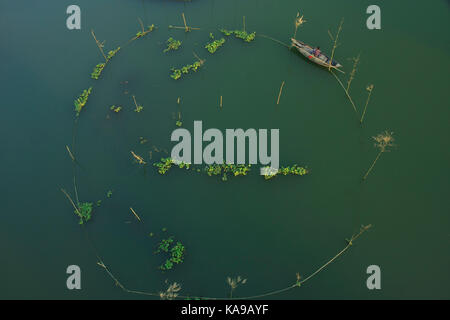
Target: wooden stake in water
(135, 214)
(100, 45)
(186, 28)
(369, 89)
(138, 158)
(220, 102)
(352, 74)
(335, 43)
(279, 94)
(70, 153)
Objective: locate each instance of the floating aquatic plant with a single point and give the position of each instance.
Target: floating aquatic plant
(112, 53)
(166, 163)
(109, 194)
(116, 109)
(223, 169)
(81, 101)
(99, 67)
(143, 30)
(97, 70)
(84, 211)
(269, 172)
(176, 73)
(241, 34)
(383, 141)
(172, 44)
(215, 44)
(176, 252)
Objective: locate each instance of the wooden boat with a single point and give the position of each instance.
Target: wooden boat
(308, 52)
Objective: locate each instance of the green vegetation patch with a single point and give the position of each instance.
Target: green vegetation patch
(241, 34)
(81, 101)
(213, 46)
(172, 44)
(176, 251)
(176, 73)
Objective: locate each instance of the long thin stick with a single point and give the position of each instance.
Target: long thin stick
(142, 25)
(279, 94)
(135, 214)
(134, 98)
(352, 74)
(221, 102)
(373, 164)
(99, 45)
(273, 39)
(185, 24)
(369, 88)
(335, 43)
(71, 201)
(70, 153)
(350, 98)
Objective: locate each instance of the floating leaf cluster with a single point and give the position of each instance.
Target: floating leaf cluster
(172, 44)
(215, 44)
(99, 67)
(176, 73)
(97, 71)
(176, 253)
(241, 34)
(269, 172)
(84, 211)
(115, 109)
(142, 33)
(81, 101)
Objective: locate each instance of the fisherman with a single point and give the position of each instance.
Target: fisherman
(316, 52)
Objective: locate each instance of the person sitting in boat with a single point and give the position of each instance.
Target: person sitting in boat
(316, 51)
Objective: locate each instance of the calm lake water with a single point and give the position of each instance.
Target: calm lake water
(265, 231)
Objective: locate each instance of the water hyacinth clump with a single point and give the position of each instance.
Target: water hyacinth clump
(215, 44)
(99, 67)
(116, 109)
(241, 34)
(166, 163)
(172, 44)
(84, 211)
(176, 73)
(97, 70)
(176, 253)
(81, 101)
(112, 53)
(269, 172)
(235, 170)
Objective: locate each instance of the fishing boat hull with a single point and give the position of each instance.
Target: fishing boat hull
(308, 52)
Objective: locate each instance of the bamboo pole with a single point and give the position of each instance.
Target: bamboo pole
(279, 94)
(335, 44)
(135, 214)
(100, 45)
